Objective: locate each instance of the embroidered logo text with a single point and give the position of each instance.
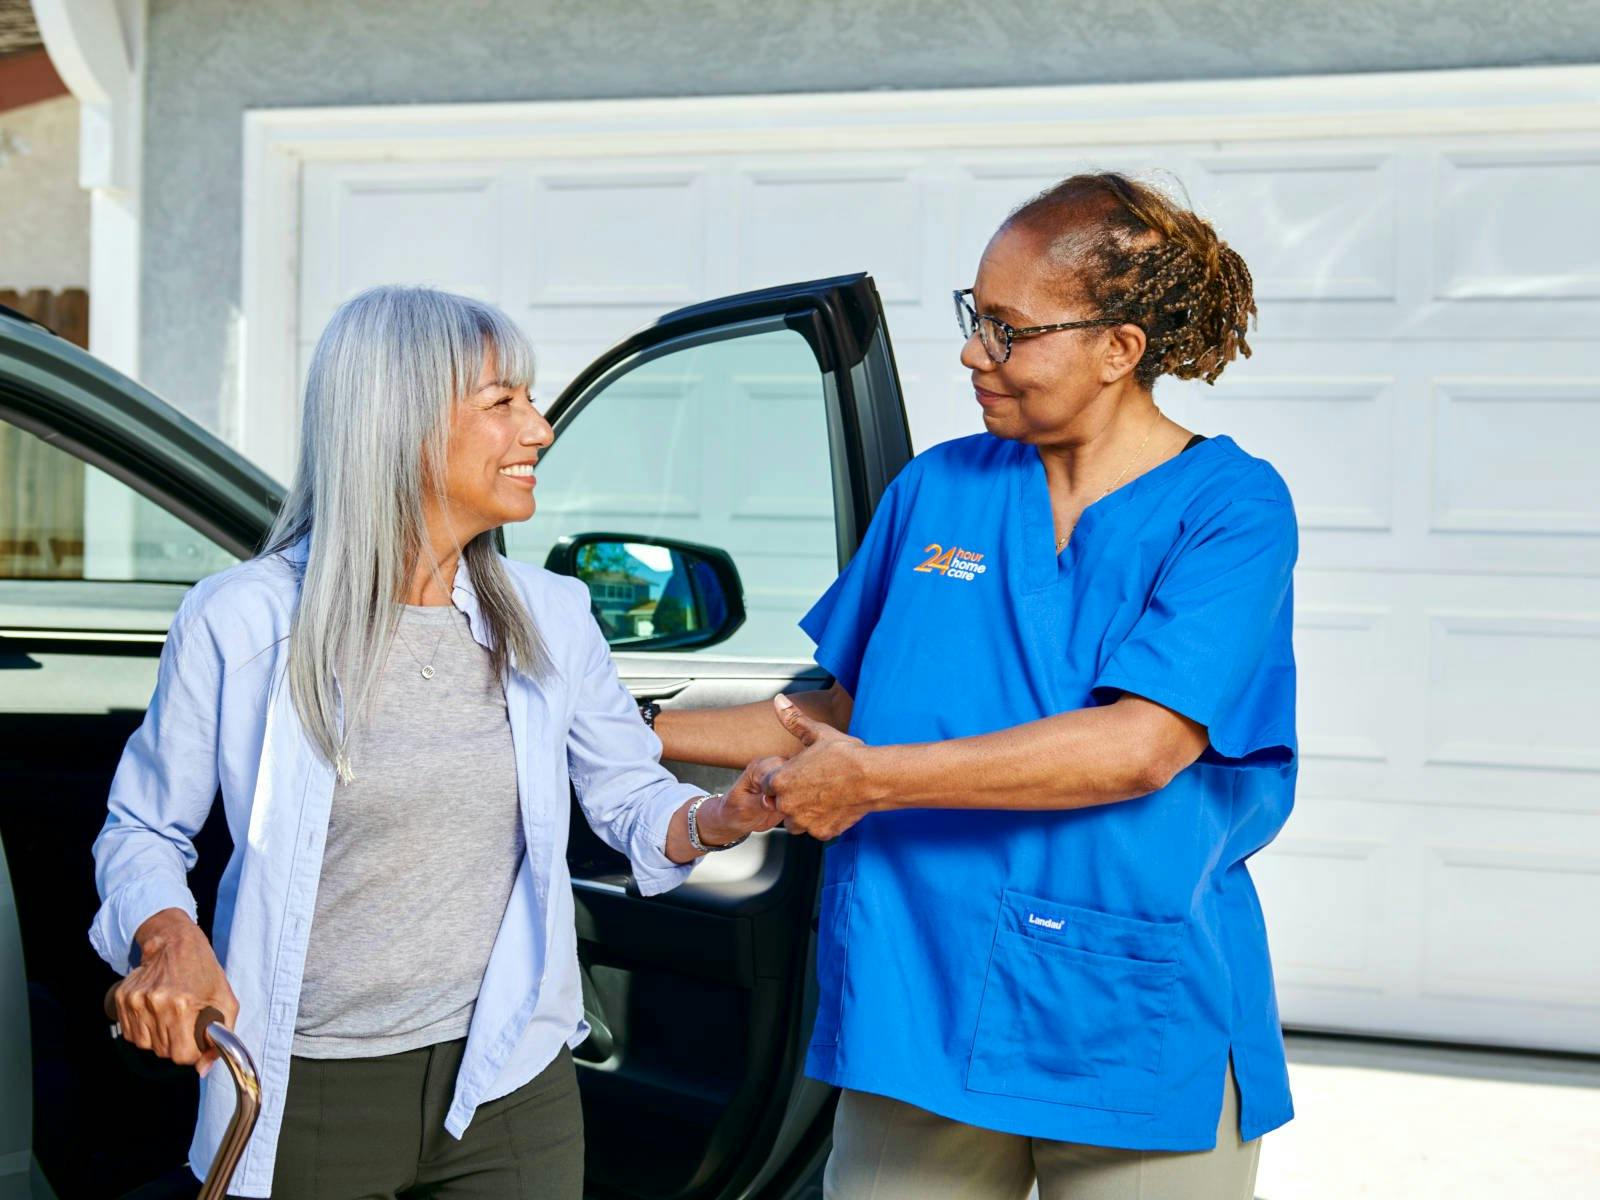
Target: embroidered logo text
(954, 563)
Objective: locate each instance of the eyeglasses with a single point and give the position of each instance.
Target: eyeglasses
(997, 336)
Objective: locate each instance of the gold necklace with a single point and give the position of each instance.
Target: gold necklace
(1062, 541)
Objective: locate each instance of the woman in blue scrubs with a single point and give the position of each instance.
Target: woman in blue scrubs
(1063, 720)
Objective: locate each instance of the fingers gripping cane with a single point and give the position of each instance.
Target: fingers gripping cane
(210, 1030)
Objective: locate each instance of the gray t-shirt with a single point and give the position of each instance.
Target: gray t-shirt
(422, 849)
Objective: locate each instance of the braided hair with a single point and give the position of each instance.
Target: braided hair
(1133, 253)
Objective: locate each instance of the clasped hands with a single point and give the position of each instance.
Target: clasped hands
(822, 789)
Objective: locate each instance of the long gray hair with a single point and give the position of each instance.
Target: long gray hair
(384, 377)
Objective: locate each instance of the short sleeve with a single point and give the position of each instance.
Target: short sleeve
(1214, 641)
(842, 621)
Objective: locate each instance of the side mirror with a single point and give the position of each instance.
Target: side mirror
(651, 593)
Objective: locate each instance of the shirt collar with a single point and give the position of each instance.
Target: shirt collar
(462, 593)
(465, 597)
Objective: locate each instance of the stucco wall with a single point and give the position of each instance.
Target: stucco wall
(44, 214)
(210, 60)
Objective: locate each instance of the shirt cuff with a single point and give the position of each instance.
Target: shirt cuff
(119, 918)
(653, 871)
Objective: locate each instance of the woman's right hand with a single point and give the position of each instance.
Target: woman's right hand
(177, 977)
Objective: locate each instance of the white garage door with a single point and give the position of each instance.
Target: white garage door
(1426, 377)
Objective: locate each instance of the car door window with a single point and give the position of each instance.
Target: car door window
(720, 440)
(91, 573)
(80, 549)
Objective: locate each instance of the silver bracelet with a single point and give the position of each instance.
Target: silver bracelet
(694, 830)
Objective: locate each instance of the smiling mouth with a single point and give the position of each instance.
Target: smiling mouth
(518, 471)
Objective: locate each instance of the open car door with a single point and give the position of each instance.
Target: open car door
(111, 504)
(709, 477)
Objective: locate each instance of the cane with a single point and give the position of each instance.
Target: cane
(210, 1029)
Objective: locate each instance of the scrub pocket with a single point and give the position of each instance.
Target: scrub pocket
(1075, 1006)
(833, 936)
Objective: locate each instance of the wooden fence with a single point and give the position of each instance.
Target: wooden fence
(66, 312)
(41, 486)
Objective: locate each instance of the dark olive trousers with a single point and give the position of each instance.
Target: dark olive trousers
(373, 1129)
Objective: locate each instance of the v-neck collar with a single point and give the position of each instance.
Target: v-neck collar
(1045, 567)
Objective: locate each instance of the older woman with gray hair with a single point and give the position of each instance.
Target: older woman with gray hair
(392, 712)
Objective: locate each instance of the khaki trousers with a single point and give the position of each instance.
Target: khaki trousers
(884, 1149)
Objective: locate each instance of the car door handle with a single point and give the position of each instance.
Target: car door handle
(645, 690)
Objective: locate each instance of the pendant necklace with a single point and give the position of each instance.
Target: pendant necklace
(1062, 541)
(427, 667)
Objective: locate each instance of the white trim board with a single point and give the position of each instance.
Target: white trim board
(98, 48)
(279, 142)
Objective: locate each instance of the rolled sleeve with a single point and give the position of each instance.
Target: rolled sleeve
(161, 794)
(627, 796)
(119, 918)
(653, 871)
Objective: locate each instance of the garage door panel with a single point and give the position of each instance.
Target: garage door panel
(1305, 878)
(1312, 226)
(1345, 706)
(362, 229)
(1513, 690)
(1329, 436)
(1423, 377)
(461, 252)
(1517, 225)
(607, 238)
(1461, 468)
(872, 217)
(1523, 901)
(1446, 553)
(1435, 921)
(1516, 455)
(1465, 788)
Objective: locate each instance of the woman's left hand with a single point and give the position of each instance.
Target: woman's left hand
(825, 788)
(743, 809)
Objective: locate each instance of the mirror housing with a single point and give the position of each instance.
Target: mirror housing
(653, 593)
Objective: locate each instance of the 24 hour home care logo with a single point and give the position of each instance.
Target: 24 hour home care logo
(954, 563)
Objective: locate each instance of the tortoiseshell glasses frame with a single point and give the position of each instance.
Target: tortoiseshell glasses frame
(997, 336)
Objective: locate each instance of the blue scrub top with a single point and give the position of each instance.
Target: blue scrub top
(1079, 975)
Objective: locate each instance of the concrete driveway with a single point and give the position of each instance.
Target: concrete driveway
(1390, 1121)
(1397, 1121)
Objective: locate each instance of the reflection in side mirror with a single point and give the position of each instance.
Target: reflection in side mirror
(652, 593)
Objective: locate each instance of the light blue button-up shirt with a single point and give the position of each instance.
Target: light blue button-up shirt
(221, 716)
